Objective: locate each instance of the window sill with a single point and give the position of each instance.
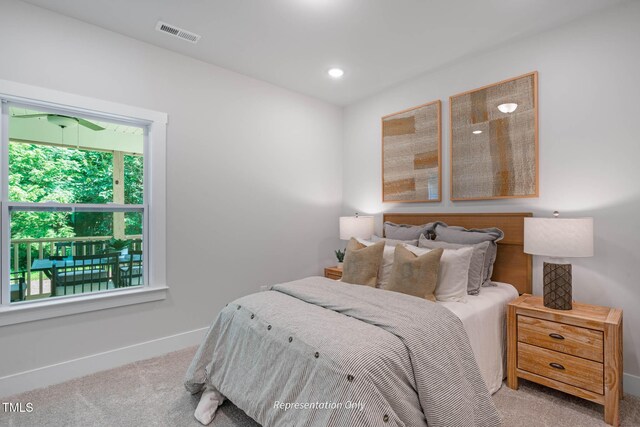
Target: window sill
(28, 312)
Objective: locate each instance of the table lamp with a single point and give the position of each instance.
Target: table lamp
(360, 227)
(558, 238)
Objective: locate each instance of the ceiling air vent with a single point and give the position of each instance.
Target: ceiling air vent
(163, 27)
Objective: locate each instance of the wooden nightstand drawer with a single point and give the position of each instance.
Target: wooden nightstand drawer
(573, 340)
(334, 273)
(584, 359)
(572, 370)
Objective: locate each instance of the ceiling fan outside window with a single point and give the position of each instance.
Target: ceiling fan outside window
(63, 121)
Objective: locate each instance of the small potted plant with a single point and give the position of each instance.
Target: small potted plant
(118, 245)
(340, 257)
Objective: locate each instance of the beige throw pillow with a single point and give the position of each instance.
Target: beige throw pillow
(386, 265)
(361, 263)
(415, 275)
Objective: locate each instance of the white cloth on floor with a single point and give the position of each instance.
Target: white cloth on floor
(209, 402)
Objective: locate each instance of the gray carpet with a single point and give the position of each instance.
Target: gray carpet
(150, 392)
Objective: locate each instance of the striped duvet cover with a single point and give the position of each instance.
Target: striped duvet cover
(316, 352)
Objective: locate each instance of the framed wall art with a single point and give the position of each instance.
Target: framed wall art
(412, 155)
(494, 140)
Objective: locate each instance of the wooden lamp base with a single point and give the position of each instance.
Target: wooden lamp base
(557, 286)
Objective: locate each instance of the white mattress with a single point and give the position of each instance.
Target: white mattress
(484, 319)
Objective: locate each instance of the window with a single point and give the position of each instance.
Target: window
(75, 216)
(75, 204)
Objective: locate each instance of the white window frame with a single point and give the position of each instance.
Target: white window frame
(154, 222)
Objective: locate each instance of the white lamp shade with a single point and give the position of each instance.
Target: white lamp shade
(559, 237)
(360, 227)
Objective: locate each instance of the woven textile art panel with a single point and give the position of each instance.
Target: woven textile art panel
(411, 155)
(494, 141)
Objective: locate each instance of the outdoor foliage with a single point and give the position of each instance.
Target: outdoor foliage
(40, 173)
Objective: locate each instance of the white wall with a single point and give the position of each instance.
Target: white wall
(244, 159)
(589, 147)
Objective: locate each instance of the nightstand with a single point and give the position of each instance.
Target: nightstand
(576, 351)
(334, 273)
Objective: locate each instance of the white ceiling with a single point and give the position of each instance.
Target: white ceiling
(292, 43)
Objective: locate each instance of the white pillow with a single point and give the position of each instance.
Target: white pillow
(453, 275)
(384, 272)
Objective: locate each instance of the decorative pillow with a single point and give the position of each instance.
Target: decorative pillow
(463, 236)
(394, 242)
(407, 232)
(384, 272)
(361, 263)
(453, 275)
(415, 275)
(476, 267)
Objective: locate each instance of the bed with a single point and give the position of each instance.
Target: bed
(484, 316)
(316, 352)
(484, 320)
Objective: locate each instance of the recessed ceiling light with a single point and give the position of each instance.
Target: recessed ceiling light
(336, 73)
(477, 132)
(509, 107)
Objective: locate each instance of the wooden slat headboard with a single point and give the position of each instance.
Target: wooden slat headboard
(512, 264)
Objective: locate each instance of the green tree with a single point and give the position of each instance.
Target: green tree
(40, 173)
(133, 192)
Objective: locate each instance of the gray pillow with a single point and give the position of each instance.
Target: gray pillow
(476, 266)
(463, 236)
(394, 242)
(407, 232)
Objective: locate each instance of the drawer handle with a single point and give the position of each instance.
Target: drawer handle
(556, 336)
(556, 365)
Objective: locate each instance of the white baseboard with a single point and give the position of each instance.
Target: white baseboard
(64, 371)
(60, 372)
(631, 384)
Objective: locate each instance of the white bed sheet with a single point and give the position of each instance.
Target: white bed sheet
(484, 318)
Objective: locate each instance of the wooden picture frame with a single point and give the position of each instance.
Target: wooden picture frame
(412, 154)
(495, 155)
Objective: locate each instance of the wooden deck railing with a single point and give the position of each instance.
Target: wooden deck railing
(22, 255)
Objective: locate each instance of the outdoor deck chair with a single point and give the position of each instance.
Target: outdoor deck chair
(85, 270)
(90, 247)
(130, 272)
(63, 249)
(18, 286)
(80, 248)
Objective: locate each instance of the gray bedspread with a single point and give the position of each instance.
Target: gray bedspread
(347, 355)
